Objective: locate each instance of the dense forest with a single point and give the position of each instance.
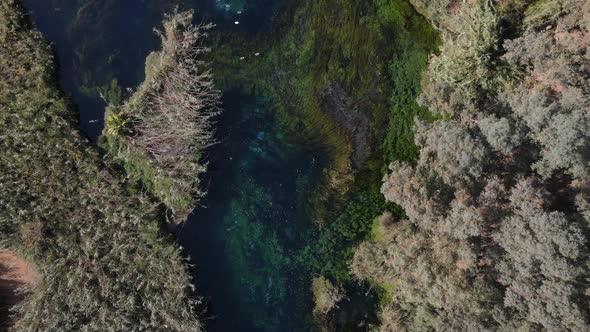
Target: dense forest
(495, 235)
(454, 194)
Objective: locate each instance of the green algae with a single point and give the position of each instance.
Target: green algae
(110, 92)
(377, 50)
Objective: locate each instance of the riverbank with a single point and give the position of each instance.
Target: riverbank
(104, 261)
(490, 208)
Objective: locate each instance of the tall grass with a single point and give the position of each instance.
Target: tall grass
(104, 261)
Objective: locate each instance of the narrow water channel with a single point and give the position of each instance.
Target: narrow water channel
(252, 223)
(243, 237)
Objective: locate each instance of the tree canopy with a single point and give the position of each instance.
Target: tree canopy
(496, 236)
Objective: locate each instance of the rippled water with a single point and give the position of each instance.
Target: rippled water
(243, 237)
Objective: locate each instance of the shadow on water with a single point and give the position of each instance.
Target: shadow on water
(243, 238)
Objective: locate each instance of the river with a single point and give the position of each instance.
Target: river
(243, 237)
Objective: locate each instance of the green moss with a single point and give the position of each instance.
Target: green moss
(110, 92)
(542, 12)
(377, 231)
(143, 173)
(330, 249)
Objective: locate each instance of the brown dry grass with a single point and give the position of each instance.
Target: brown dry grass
(15, 273)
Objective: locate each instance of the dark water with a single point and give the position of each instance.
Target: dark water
(257, 191)
(98, 41)
(243, 238)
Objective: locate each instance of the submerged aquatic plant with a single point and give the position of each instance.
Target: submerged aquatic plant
(258, 258)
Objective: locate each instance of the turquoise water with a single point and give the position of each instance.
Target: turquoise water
(244, 237)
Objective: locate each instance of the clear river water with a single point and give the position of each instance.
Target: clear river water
(243, 237)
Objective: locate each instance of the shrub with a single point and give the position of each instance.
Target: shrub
(470, 59)
(326, 295)
(159, 134)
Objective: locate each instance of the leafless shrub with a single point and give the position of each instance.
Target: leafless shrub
(169, 119)
(176, 117)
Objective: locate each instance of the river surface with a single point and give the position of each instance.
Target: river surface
(243, 237)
